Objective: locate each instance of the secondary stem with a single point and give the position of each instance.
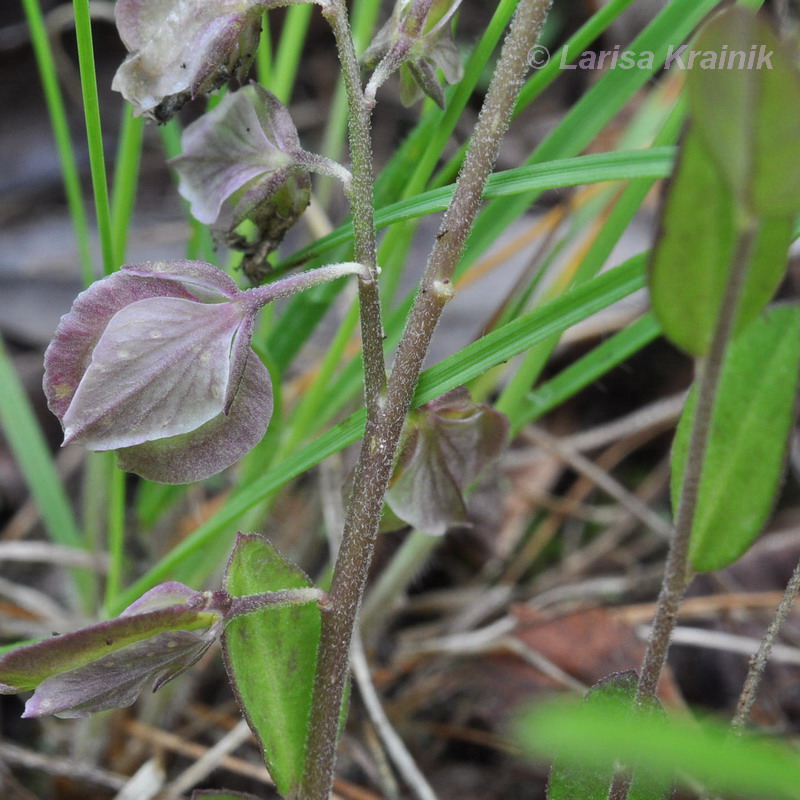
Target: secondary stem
(758, 662)
(676, 575)
(383, 429)
(360, 196)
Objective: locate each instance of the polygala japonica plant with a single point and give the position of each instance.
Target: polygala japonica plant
(165, 363)
(156, 362)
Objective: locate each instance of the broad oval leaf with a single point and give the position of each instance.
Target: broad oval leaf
(271, 657)
(746, 105)
(753, 413)
(691, 262)
(691, 259)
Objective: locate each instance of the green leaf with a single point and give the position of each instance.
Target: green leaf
(591, 779)
(271, 657)
(692, 259)
(752, 127)
(753, 413)
(724, 763)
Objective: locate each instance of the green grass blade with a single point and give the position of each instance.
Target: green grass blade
(597, 168)
(589, 368)
(290, 48)
(116, 535)
(126, 178)
(264, 52)
(31, 453)
(593, 112)
(543, 77)
(58, 120)
(94, 133)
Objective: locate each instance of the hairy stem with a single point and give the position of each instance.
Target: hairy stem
(758, 662)
(375, 462)
(676, 575)
(360, 196)
(249, 604)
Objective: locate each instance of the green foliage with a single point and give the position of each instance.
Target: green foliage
(271, 657)
(753, 414)
(691, 263)
(33, 456)
(751, 130)
(591, 780)
(683, 748)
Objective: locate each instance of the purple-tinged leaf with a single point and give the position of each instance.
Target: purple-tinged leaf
(213, 446)
(205, 282)
(182, 48)
(243, 161)
(248, 135)
(156, 362)
(106, 665)
(117, 679)
(160, 369)
(447, 444)
(70, 352)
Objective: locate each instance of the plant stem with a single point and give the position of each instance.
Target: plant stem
(759, 661)
(360, 196)
(249, 604)
(383, 430)
(259, 296)
(676, 575)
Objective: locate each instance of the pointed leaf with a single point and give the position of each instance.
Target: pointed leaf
(271, 657)
(447, 444)
(749, 116)
(248, 135)
(753, 414)
(69, 354)
(107, 665)
(116, 680)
